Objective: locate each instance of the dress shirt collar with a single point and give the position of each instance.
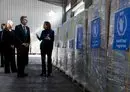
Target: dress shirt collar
(23, 25)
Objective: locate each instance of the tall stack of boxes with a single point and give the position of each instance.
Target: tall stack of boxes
(88, 43)
(55, 51)
(80, 48)
(118, 64)
(64, 48)
(60, 54)
(97, 54)
(70, 47)
(98, 67)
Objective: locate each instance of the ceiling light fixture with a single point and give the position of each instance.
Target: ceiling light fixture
(51, 13)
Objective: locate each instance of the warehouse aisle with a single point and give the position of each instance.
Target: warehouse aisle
(58, 82)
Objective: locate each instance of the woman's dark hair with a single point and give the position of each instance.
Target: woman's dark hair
(48, 24)
(3, 24)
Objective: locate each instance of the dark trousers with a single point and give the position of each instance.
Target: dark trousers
(10, 61)
(49, 61)
(2, 58)
(22, 59)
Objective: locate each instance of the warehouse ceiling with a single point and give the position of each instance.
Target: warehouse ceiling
(55, 2)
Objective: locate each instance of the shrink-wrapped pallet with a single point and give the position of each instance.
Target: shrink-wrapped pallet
(80, 48)
(97, 55)
(70, 47)
(118, 64)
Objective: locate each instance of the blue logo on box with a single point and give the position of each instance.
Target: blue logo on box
(95, 33)
(79, 42)
(122, 29)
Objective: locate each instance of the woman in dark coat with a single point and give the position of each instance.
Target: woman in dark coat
(46, 47)
(8, 48)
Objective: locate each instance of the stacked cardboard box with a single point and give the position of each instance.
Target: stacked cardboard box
(98, 69)
(97, 56)
(118, 61)
(80, 48)
(55, 48)
(70, 47)
(60, 54)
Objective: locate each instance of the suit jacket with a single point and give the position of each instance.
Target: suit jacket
(8, 40)
(0, 35)
(1, 40)
(20, 34)
(47, 44)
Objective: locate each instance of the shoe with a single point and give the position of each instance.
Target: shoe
(42, 74)
(7, 72)
(25, 74)
(14, 71)
(20, 76)
(49, 74)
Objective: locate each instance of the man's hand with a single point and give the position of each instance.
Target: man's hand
(12, 46)
(25, 44)
(48, 38)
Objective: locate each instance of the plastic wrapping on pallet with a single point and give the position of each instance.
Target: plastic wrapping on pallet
(60, 54)
(55, 48)
(70, 47)
(64, 50)
(89, 87)
(79, 62)
(97, 54)
(117, 69)
(100, 69)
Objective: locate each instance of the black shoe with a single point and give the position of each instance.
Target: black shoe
(20, 76)
(25, 74)
(42, 74)
(49, 74)
(7, 72)
(14, 71)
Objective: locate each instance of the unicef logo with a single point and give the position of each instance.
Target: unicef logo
(95, 29)
(121, 24)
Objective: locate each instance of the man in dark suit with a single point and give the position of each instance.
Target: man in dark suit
(22, 33)
(1, 44)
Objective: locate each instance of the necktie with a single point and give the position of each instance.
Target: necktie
(25, 31)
